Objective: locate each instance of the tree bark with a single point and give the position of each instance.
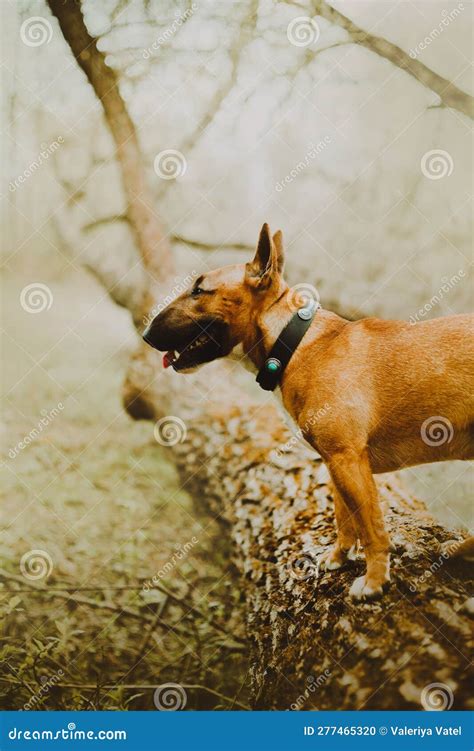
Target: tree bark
(311, 647)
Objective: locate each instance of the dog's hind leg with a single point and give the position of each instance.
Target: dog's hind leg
(346, 540)
(351, 473)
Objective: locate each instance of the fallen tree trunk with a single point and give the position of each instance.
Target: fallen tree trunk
(312, 647)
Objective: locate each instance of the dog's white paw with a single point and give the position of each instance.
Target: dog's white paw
(330, 561)
(353, 553)
(336, 557)
(360, 590)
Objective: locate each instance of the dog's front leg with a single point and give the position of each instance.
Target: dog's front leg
(352, 476)
(346, 540)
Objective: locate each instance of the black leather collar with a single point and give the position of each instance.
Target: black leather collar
(270, 373)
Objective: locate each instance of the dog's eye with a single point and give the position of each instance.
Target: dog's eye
(197, 291)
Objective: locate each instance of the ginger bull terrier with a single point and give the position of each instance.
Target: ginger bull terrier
(396, 394)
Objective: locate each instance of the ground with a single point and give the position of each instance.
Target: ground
(98, 497)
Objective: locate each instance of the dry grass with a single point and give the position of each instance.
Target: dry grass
(95, 492)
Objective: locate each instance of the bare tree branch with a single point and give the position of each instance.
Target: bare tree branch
(198, 244)
(448, 92)
(247, 29)
(201, 245)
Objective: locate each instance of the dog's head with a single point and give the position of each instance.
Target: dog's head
(208, 320)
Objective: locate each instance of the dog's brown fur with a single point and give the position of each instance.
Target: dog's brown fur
(360, 391)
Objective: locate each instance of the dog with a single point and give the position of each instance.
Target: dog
(388, 394)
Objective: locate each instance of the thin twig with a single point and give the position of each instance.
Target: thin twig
(122, 610)
(57, 590)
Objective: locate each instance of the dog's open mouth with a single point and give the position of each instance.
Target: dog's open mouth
(200, 343)
(202, 349)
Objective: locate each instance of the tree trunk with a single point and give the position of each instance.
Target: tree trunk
(145, 224)
(311, 647)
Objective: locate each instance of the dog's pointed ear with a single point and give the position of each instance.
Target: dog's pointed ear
(268, 261)
(280, 253)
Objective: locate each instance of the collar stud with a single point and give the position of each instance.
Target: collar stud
(272, 365)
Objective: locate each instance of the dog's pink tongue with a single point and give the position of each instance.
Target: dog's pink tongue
(168, 359)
